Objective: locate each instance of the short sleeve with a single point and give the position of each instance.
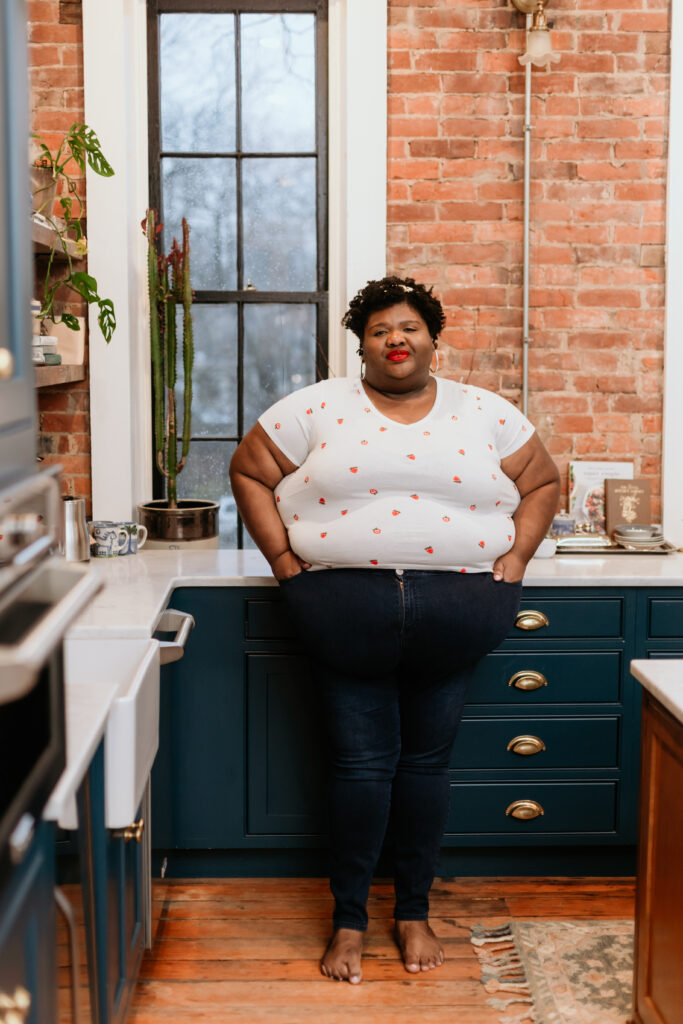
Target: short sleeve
(511, 428)
(289, 423)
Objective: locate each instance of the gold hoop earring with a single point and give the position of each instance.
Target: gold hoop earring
(436, 368)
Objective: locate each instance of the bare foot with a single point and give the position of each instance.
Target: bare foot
(342, 956)
(420, 948)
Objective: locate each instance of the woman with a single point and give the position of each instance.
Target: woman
(398, 512)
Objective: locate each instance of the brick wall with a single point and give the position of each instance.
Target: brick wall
(456, 101)
(56, 82)
(455, 208)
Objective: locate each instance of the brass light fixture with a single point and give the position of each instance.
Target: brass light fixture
(539, 47)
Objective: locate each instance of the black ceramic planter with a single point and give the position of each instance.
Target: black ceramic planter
(192, 520)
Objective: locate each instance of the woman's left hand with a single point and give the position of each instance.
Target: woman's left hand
(509, 568)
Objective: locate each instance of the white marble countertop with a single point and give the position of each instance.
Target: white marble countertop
(137, 587)
(663, 678)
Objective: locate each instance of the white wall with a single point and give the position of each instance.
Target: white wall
(115, 68)
(672, 429)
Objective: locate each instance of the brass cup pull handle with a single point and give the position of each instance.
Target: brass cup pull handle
(524, 810)
(531, 619)
(526, 745)
(133, 831)
(528, 679)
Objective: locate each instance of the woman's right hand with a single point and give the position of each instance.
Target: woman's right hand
(287, 564)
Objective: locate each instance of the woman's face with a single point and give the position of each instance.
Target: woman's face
(397, 348)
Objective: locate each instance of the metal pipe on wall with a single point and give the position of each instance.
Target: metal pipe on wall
(526, 262)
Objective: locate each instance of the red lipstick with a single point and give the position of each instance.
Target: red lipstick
(398, 356)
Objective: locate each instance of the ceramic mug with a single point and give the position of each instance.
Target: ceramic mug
(136, 535)
(107, 539)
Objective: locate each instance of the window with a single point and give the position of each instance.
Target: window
(238, 145)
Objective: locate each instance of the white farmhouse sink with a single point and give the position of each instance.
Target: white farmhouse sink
(131, 741)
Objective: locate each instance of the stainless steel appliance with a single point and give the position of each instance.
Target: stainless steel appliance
(40, 595)
(17, 401)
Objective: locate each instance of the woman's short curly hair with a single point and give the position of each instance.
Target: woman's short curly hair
(391, 291)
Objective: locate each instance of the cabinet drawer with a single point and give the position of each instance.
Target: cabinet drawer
(567, 807)
(565, 743)
(666, 617)
(571, 617)
(267, 620)
(556, 677)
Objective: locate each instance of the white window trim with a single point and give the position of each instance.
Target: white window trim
(672, 422)
(115, 74)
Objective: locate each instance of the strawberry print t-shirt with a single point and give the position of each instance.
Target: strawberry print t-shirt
(369, 491)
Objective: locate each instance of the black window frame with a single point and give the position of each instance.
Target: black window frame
(242, 295)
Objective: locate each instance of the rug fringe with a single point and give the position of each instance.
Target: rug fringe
(502, 971)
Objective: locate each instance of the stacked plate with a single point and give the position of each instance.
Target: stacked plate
(639, 536)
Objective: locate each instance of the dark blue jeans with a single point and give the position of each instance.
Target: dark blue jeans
(393, 653)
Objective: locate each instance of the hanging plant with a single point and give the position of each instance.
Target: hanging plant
(81, 145)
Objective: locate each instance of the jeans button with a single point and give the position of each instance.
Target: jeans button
(399, 572)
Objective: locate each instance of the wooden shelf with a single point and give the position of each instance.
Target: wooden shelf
(43, 238)
(46, 376)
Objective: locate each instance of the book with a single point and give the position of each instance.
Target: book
(626, 501)
(587, 490)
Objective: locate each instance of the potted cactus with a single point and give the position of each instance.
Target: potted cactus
(171, 521)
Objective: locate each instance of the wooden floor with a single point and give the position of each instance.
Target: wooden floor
(248, 950)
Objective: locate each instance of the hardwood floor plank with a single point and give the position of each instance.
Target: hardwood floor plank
(386, 968)
(204, 995)
(290, 929)
(302, 1014)
(254, 909)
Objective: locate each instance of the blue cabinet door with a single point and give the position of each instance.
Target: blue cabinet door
(114, 880)
(198, 774)
(28, 930)
(285, 755)
(124, 932)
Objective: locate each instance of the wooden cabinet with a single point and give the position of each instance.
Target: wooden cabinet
(28, 931)
(658, 980)
(240, 767)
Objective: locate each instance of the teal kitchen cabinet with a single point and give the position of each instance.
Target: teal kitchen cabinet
(28, 932)
(112, 883)
(547, 755)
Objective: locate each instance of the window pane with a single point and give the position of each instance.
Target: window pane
(206, 476)
(214, 377)
(277, 53)
(279, 354)
(197, 58)
(204, 192)
(279, 223)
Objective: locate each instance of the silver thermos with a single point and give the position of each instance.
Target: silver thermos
(76, 536)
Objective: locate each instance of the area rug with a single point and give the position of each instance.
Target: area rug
(558, 972)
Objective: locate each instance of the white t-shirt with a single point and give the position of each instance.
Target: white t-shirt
(373, 492)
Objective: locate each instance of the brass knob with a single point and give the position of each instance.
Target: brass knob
(15, 1009)
(526, 745)
(133, 831)
(6, 364)
(528, 679)
(531, 619)
(524, 810)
